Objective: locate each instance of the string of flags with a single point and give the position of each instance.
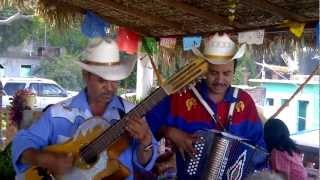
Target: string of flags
(128, 40)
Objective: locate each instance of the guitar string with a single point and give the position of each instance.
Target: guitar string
(104, 140)
(112, 134)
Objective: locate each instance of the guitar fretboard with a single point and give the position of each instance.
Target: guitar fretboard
(116, 130)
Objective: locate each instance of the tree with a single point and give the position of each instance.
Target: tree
(247, 63)
(63, 71)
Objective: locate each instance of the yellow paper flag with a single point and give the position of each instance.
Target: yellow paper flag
(294, 27)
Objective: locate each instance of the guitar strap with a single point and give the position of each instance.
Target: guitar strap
(122, 112)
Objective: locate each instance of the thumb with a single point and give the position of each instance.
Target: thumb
(181, 151)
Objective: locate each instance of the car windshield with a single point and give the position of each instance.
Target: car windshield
(11, 88)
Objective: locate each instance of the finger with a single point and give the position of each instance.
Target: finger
(189, 145)
(134, 126)
(139, 121)
(181, 151)
(190, 149)
(140, 126)
(133, 132)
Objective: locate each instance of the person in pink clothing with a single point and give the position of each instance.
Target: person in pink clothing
(285, 157)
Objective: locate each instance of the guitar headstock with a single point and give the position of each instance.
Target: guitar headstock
(186, 75)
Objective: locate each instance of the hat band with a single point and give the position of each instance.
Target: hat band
(219, 57)
(101, 64)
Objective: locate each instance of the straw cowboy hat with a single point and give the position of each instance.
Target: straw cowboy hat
(220, 50)
(102, 59)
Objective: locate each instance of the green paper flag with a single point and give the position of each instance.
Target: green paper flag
(149, 45)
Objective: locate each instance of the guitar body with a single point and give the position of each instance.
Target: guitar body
(106, 166)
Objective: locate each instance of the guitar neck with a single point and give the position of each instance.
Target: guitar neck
(111, 134)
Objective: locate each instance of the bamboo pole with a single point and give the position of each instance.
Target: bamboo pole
(157, 72)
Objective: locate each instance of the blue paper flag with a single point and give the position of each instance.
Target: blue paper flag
(188, 42)
(94, 26)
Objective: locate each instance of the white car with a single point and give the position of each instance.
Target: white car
(47, 91)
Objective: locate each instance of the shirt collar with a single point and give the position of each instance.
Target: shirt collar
(203, 89)
(80, 101)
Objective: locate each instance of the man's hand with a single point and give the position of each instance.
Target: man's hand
(182, 140)
(139, 129)
(55, 163)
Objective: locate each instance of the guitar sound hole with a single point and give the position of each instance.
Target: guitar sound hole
(91, 159)
(44, 174)
(88, 155)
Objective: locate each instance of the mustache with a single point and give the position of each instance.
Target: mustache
(219, 84)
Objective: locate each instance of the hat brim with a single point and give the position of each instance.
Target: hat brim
(221, 59)
(112, 73)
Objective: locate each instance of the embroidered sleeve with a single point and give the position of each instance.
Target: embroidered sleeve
(36, 137)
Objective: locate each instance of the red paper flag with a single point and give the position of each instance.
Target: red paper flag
(127, 40)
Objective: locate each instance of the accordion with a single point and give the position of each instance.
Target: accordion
(221, 156)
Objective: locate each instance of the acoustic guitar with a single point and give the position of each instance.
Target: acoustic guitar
(96, 149)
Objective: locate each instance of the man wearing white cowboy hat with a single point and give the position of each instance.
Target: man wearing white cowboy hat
(102, 69)
(178, 116)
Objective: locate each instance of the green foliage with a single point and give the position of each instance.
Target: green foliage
(245, 62)
(63, 71)
(130, 82)
(6, 168)
(72, 39)
(15, 33)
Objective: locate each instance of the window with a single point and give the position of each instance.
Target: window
(283, 101)
(25, 71)
(269, 102)
(34, 87)
(302, 115)
(11, 88)
(51, 90)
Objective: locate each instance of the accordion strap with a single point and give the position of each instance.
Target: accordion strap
(232, 106)
(210, 111)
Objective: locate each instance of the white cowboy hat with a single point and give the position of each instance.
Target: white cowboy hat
(102, 59)
(220, 50)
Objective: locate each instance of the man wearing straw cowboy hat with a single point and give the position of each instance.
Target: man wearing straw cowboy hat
(102, 69)
(178, 116)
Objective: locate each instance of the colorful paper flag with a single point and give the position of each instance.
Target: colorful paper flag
(251, 37)
(168, 42)
(188, 42)
(149, 45)
(94, 26)
(127, 40)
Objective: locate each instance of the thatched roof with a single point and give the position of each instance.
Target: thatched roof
(181, 17)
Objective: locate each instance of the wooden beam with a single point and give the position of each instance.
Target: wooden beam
(264, 5)
(209, 16)
(138, 14)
